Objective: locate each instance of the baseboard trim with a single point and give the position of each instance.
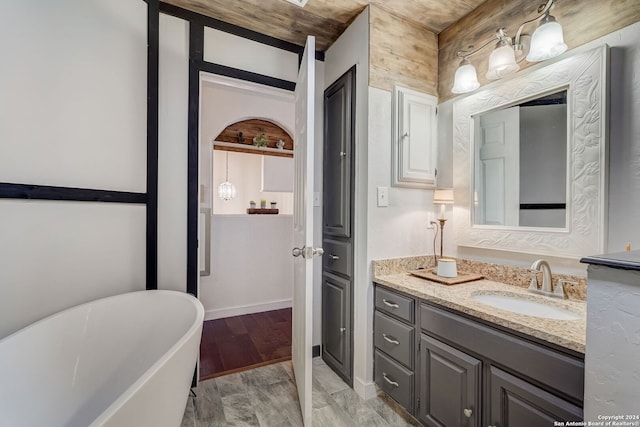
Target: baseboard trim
(315, 351)
(221, 313)
(364, 390)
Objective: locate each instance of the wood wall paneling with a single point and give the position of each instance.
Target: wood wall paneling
(251, 128)
(582, 22)
(402, 53)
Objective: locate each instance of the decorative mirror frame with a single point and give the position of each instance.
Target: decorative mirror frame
(585, 75)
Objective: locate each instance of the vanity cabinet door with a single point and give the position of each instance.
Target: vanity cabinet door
(449, 385)
(336, 324)
(517, 403)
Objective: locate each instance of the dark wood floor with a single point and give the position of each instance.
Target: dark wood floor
(244, 342)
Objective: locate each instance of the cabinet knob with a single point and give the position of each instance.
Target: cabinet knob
(343, 330)
(467, 413)
(343, 154)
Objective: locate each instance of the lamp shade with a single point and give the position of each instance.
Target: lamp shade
(443, 196)
(502, 62)
(226, 191)
(465, 79)
(547, 41)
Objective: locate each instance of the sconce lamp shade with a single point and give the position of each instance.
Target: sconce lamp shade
(502, 61)
(443, 196)
(465, 79)
(547, 40)
(227, 191)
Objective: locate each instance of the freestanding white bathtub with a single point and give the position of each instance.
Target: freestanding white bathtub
(126, 360)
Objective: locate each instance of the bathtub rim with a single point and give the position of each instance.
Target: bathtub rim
(136, 385)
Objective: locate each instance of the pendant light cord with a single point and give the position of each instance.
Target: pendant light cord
(226, 176)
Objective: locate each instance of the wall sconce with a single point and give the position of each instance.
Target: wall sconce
(547, 42)
(226, 190)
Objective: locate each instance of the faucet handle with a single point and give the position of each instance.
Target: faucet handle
(533, 285)
(559, 290)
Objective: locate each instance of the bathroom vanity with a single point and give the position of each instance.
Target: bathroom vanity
(453, 361)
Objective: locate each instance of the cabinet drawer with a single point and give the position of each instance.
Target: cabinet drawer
(337, 257)
(394, 338)
(395, 304)
(541, 364)
(394, 379)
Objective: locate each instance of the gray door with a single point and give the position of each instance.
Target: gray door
(337, 230)
(339, 102)
(449, 385)
(336, 324)
(517, 403)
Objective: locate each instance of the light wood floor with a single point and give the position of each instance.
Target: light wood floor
(267, 397)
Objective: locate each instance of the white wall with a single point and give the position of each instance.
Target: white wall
(172, 153)
(72, 113)
(612, 371)
(245, 173)
(230, 101)
(73, 84)
(223, 48)
(353, 48)
(624, 153)
(251, 265)
(224, 101)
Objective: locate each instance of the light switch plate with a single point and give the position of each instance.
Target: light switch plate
(383, 197)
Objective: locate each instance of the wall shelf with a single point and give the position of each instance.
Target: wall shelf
(245, 148)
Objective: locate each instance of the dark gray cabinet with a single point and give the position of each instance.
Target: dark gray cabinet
(517, 403)
(394, 338)
(452, 370)
(449, 385)
(336, 323)
(337, 230)
(339, 104)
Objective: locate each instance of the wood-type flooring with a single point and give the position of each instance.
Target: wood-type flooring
(238, 343)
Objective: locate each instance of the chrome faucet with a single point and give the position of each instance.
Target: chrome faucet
(547, 287)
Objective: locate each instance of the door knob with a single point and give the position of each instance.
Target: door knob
(343, 330)
(307, 252)
(467, 413)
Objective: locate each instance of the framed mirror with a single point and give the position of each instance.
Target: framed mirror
(530, 158)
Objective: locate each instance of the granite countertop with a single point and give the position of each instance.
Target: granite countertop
(570, 334)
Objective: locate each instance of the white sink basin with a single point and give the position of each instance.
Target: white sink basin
(517, 304)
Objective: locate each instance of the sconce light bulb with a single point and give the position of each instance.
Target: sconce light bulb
(547, 40)
(466, 78)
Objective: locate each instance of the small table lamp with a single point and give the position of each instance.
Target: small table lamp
(442, 197)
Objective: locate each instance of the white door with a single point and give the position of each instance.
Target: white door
(498, 167)
(303, 229)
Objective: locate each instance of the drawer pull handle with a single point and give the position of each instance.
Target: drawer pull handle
(334, 257)
(390, 339)
(386, 378)
(467, 413)
(390, 304)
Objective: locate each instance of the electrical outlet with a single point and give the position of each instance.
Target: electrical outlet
(316, 198)
(431, 221)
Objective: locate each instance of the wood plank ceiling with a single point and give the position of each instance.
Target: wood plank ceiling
(324, 19)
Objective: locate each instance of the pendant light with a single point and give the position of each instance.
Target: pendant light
(547, 40)
(226, 190)
(466, 78)
(502, 61)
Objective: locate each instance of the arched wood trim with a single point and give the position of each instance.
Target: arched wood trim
(251, 128)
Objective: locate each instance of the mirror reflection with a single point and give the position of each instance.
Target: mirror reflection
(520, 164)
